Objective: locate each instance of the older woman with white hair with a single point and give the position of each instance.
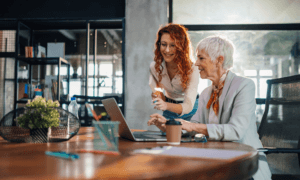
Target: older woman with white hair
(226, 109)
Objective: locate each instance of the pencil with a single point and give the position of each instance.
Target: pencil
(99, 152)
(62, 154)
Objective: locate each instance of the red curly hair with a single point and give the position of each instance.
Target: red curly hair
(183, 52)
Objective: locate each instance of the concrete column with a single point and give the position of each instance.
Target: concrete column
(285, 67)
(143, 18)
(1, 85)
(9, 73)
(296, 65)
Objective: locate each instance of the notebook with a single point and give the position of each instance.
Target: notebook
(115, 114)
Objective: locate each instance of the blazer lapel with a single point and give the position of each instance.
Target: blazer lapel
(227, 84)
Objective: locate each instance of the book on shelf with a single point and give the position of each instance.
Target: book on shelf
(28, 51)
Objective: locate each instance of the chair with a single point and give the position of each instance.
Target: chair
(86, 120)
(279, 130)
(92, 113)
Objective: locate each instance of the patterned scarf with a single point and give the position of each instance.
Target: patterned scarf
(214, 97)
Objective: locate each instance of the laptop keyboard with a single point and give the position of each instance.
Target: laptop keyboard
(149, 136)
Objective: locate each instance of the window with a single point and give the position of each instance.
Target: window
(259, 55)
(265, 35)
(235, 12)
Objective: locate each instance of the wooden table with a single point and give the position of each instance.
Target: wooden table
(28, 161)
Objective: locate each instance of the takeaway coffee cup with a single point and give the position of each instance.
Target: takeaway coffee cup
(173, 132)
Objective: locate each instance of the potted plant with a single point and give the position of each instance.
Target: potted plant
(39, 116)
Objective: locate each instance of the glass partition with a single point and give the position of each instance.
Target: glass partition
(105, 75)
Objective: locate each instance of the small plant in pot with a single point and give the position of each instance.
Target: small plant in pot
(39, 116)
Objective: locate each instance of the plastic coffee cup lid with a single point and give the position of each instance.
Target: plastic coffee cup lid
(173, 122)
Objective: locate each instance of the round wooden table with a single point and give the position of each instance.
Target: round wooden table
(28, 161)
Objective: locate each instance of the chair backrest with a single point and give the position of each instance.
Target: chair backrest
(95, 99)
(280, 125)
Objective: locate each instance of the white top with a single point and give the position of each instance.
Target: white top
(173, 89)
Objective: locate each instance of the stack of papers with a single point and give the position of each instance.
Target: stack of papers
(192, 152)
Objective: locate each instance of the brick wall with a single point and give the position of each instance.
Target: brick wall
(8, 95)
(1, 76)
(9, 86)
(1, 86)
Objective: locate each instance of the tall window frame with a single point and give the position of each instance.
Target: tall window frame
(243, 27)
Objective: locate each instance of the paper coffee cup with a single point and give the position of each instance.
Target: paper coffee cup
(173, 129)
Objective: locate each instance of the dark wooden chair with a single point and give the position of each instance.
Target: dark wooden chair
(279, 130)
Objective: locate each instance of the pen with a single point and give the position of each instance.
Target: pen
(99, 152)
(64, 155)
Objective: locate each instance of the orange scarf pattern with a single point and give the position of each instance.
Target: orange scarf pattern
(214, 97)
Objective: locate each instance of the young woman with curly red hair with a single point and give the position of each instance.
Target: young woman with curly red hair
(174, 71)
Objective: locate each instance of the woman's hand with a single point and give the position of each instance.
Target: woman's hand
(186, 125)
(159, 104)
(158, 120)
(158, 94)
(196, 127)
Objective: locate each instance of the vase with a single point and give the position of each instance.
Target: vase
(39, 135)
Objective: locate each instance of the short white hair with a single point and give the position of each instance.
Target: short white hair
(216, 46)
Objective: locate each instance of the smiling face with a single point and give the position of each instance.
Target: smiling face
(167, 47)
(208, 69)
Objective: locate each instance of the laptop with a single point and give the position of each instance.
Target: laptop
(115, 114)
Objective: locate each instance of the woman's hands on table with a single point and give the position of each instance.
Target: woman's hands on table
(160, 122)
(186, 125)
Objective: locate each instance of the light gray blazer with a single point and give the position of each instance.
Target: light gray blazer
(237, 120)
